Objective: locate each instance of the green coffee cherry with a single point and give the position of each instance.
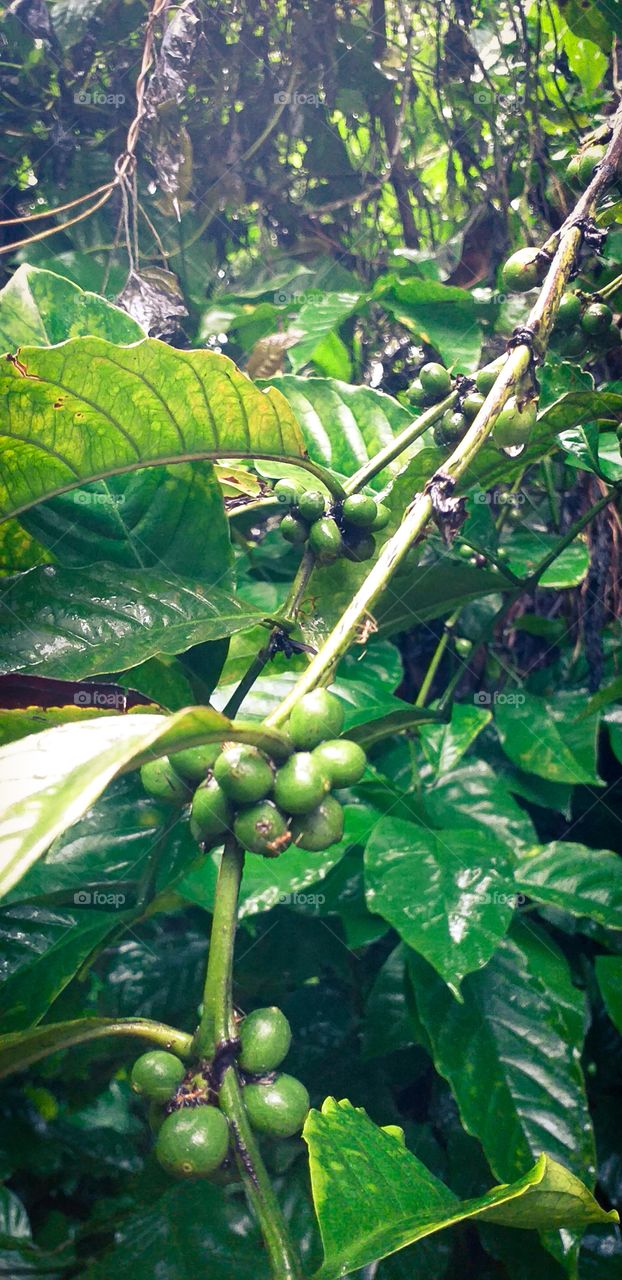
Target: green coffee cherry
(319, 829)
(472, 404)
(262, 829)
(588, 158)
(363, 549)
(294, 530)
(211, 814)
(569, 313)
(243, 772)
(312, 505)
(435, 380)
(383, 515)
(325, 539)
(416, 394)
(265, 1036)
(524, 270)
(156, 1075)
(485, 379)
(317, 715)
(195, 762)
(573, 343)
(343, 761)
(360, 511)
(514, 425)
(279, 1108)
(596, 319)
(451, 427)
(288, 491)
(300, 783)
(193, 1143)
(160, 780)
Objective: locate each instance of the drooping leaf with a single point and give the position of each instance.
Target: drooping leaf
(354, 1161)
(40, 308)
(48, 780)
(517, 1102)
(71, 623)
(586, 882)
(88, 409)
(447, 894)
(425, 592)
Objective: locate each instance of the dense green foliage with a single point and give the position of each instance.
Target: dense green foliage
(383, 677)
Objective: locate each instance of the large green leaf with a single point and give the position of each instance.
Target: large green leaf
(48, 780)
(586, 882)
(447, 894)
(445, 744)
(511, 1053)
(609, 974)
(88, 409)
(343, 426)
(171, 517)
(318, 318)
(20, 1049)
(40, 308)
(424, 592)
(474, 796)
(546, 737)
(71, 623)
(439, 314)
(526, 549)
(373, 1197)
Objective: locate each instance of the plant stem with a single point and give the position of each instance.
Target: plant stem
(216, 1028)
(540, 323)
(401, 442)
(435, 661)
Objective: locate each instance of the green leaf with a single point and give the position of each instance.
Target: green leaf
(317, 318)
(19, 722)
(20, 1049)
(354, 1163)
(388, 1022)
(516, 1101)
(586, 882)
(578, 407)
(429, 591)
(438, 314)
(165, 517)
(540, 737)
(609, 974)
(71, 623)
(476, 797)
(527, 549)
(40, 308)
(343, 426)
(447, 896)
(88, 409)
(445, 744)
(48, 780)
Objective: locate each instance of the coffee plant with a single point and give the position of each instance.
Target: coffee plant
(311, 727)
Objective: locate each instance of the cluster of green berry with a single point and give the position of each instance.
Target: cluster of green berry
(512, 427)
(344, 528)
(582, 325)
(192, 1133)
(268, 808)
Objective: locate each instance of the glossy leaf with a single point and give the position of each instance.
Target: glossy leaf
(71, 623)
(476, 797)
(318, 317)
(343, 426)
(448, 896)
(39, 308)
(48, 780)
(544, 738)
(424, 592)
(88, 409)
(586, 882)
(439, 314)
(352, 1160)
(444, 745)
(517, 1102)
(527, 549)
